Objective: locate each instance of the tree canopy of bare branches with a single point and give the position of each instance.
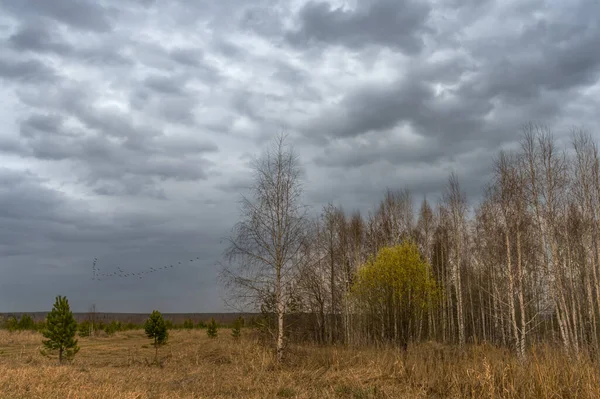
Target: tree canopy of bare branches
(265, 250)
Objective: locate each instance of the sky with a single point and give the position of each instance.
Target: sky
(128, 126)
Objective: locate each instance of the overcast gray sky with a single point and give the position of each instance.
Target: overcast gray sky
(127, 125)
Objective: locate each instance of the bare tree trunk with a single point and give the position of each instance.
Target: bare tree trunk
(521, 296)
(457, 204)
(459, 301)
(482, 315)
(280, 344)
(511, 296)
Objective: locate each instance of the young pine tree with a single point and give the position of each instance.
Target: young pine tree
(60, 330)
(211, 329)
(84, 328)
(26, 323)
(11, 323)
(236, 331)
(156, 329)
(112, 327)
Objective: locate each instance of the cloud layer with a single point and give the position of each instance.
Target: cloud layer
(128, 125)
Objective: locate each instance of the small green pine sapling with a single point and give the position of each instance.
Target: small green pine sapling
(112, 327)
(11, 323)
(211, 329)
(188, 324)
(156, 329)
(40, 325)
(236, 331)
(84, 328)
(60, 330)
(26, 323)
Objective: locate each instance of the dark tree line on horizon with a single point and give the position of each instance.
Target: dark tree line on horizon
(520, 267)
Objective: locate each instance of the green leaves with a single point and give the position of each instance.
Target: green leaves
(60, 330)
(396, 288)
(399, 272)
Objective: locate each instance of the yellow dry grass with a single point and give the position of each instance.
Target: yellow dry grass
(194, 366)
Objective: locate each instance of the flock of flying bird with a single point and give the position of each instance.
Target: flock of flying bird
(120, 273)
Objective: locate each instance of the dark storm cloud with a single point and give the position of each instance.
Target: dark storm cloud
(25, 198)
(48, 242)
(264, 20)
(102, 159)
(127, 124)
(44, 37)
(115, 147)
(556, 53)
(361, 188)
(187, 57)
(526, 76)
(236, 185)
(131, 186)
(81, 14)
(27, 71)
(177, 111)
(392, 23)
(229, 49)
(39, 37)
(46, 124)
(187, 62)
(409, 101)
(171, 85)
(111, 122)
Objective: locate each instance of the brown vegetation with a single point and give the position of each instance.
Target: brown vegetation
(194, 366)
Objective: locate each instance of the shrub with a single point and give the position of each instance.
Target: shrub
(188, 324)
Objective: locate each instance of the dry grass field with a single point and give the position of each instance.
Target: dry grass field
(194, 366)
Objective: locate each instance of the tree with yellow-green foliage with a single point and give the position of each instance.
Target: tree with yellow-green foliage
(393, 293)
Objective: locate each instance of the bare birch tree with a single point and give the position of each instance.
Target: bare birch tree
(266, 248)
(457, 207)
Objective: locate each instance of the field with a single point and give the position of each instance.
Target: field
(195, 366)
